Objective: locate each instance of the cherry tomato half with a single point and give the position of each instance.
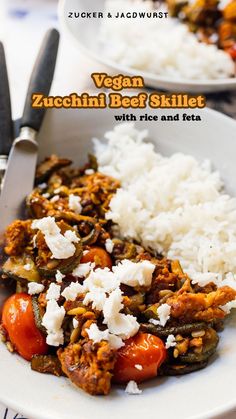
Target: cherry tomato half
(139, 359)
(18, 320)
(99, 256)
(232, 51)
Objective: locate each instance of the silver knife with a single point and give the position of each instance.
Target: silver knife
(6, 125)
(19, 176)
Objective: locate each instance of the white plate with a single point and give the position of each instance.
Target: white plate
(85, 34)
(204, 394)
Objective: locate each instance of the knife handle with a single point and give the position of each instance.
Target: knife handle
(41, 79)
(6, 125)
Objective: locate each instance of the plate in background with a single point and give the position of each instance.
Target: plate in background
(84, 32)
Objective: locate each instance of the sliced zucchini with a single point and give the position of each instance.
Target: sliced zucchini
(210, 342)
(46, 364)
(48, 166)
(21, 268)
(181, 369)
(184, 329)
(123, 249)
(151, 312)
(38, 314)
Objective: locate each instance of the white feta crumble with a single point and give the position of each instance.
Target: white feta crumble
(62, 247)
(35, 288)
(42, 186)
(52, 321)
(75, 323)
(132, 388)
(134, 274)
(83, 269)
(55, 339)
(34, 241)
(55, 198)
(170, 341)
(74, 203)
(59, 277)
(228, 306)
(109, 245)
(85, 252)
(70, 293)
(56, 191)
(97, 335)
(120, 324)
(138, 367)
(53, 292)
(163, 313)
(27, 266)
(46, 195)
(89, 172)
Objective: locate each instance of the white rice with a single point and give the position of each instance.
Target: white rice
(160, 46)
(174, 205)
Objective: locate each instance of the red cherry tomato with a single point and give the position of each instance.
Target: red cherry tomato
(232, 51)
(18, 320)
(99, 256)
(139, 359)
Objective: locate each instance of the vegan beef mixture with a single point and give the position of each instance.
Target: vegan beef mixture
(92, 306)
(209, 20)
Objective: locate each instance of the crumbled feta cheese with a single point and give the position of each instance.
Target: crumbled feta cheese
(98, 335)
(27, 266)
(134, 274)
(46, 195)
(170, 341)
(96, 298)
(34, 241)
(109, 245)
(132, 388)
(42, 186)
(75, 323)
(102, 289)
(59, 277)
(115, 341)
(54, 198)
(101, 280)
(83, 269)
(62, 247)
(74, 203)
(154, 321)
(70, 293)
(228, 306)
(89, 172)
(118, 323)
(85, 252)
(163, 313)
(52, 321)
(55, 339)
(53, 292)
(35, 288)
(138, 367)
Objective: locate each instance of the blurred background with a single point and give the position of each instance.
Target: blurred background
(22, 26)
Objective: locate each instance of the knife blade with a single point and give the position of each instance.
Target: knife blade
(19, 176)
(6, 125)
